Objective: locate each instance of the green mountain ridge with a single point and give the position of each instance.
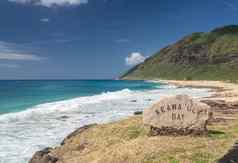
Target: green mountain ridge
(199, 56)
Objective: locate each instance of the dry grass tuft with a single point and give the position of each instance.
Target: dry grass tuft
(126, 141)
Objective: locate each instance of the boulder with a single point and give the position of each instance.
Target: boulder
(138, 113)
(180, 115)
(43, 156)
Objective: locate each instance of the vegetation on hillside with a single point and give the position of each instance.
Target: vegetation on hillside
(199, 56)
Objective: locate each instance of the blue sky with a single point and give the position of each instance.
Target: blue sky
(97, 39)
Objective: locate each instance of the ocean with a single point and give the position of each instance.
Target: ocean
(35, 114)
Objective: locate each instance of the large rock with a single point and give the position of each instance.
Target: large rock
(43, 156)
(177, 115)
(77, 132)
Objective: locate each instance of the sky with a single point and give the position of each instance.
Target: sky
(97, 39)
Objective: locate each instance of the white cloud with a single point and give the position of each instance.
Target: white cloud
(18, 56)
(45, 20)
(6, 65)
(134, 59)
(10, 51)
(50, 3)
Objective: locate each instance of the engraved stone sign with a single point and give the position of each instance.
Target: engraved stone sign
(178, 115)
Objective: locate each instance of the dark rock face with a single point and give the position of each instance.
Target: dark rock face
(43, 157)
(196, 54)
(64, 117)
(231, 156)
(222, 107)
(77, 132)
(164, 131)
(133, 101)
(138, 113)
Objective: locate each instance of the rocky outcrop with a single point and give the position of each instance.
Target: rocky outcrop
(77, 132)
(43, 156)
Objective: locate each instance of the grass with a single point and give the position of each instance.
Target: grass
(127, 141)
(226, 72)
(202, 157)
(226, 44)
(218, 134)
(215, 49)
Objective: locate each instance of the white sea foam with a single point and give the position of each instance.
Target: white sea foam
(45, 125)
(64, 106)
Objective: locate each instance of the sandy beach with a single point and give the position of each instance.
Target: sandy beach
(224, 97)
(225, 91)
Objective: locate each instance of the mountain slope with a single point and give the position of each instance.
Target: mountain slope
(199, 56)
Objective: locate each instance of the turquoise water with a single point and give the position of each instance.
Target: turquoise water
(22, 94)
(39, 114)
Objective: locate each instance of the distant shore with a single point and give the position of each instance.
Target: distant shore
(126, 140)
(222, 90)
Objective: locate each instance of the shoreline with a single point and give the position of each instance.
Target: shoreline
(224, 95)
(64, 117)
(221, 90)
(222, 99)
